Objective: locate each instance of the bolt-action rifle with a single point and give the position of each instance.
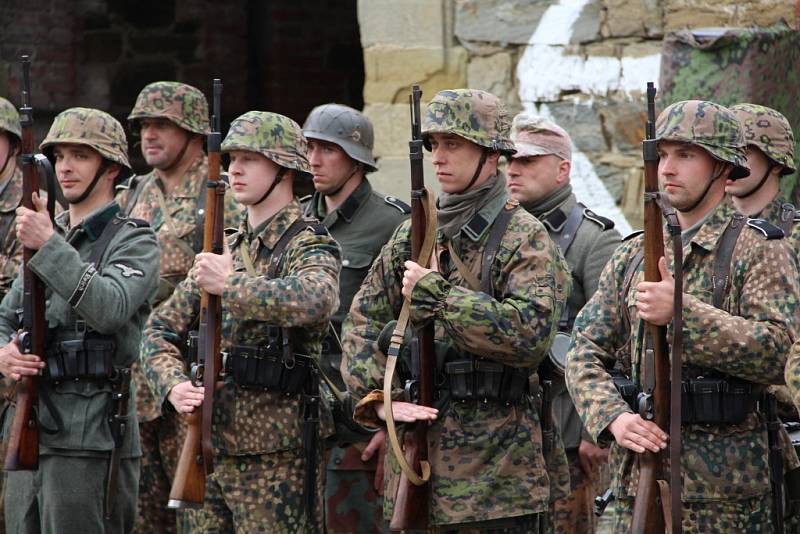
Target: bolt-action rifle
(197, 455)
(23, 442)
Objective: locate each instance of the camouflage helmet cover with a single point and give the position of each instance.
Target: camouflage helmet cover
(9, 118)
(769, 131)
(345, 127)
(90, 127)
(709, 126)
(184, 105)
(475, 115)
(274, 136)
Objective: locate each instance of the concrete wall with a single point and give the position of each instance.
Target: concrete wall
(582, 62)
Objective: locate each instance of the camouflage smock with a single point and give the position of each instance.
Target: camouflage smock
(114, 301)
(10, 248)
(303, 296)
(486, 458)
(748, 338)
(177, 252)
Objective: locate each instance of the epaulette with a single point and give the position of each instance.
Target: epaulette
(797, 215)
(136, 223)
(768, 230)
(632, 235)
(315, 226)
(225, 178)
(605, 223)
(303, 200)
(130, 183)
(395, 202)
(229, 231)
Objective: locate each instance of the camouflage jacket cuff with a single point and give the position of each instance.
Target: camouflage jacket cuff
(364, 412)
(169, 384)
(428, 297)
(603, 436)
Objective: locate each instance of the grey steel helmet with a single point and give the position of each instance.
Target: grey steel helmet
(343, 126)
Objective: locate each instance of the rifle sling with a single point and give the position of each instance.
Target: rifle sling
(394, 351)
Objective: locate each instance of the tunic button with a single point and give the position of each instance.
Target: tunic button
(345, 263)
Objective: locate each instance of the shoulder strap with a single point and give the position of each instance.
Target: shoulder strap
(574, 220)
(630, 271)
(100, 246)
(768, 230)
(493, 245)
(724, 255)
(136, 186)
(277, 252)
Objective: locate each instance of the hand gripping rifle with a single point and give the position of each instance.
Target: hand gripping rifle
(413, 492)
(197, 455)
(23, 442)
(657, 506)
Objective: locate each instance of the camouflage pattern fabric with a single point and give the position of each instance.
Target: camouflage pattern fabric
(352, 504)
(769, 131)
(475, 115)
(303, 296)
(747, 338)
(575, 513)
(9, 118)
(184, 105)
(756, 64)
(274, 136)
(709, 126)
(91, 127)
(10, 247)
(241, 496)
(486, 458)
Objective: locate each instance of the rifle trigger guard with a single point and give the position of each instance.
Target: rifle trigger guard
(644, 405)
(411, 391)
(196, 374)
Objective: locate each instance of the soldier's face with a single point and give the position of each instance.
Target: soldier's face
(76, 167)
(533, 178)
(162, 142)
(455, 160)
(684, 173)
(330, 165)
(759, 165)
(250, 174)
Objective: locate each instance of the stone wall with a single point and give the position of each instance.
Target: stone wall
(582, 62)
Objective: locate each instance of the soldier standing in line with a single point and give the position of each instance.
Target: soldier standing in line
(539, 178)
(735, 337)
(100, 270)
(279, 287)
(340, 141)
(171, 119)
(485, 452)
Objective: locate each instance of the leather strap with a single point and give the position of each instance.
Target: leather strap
(722, 259)
(463, 270)
(493, 244)
(570, 229)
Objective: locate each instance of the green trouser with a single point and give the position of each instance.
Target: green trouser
(66, 495)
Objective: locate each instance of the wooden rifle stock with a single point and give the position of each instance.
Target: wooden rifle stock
(22, 451)
(197, 455)
(654, 401)
(412, 501)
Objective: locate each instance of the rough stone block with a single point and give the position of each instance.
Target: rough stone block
(392, 128)
(583, 123)
(392, 177)
(390, 71)
(702, 13)
(402, 22)
(494, 74)
(587, 27)
(505, 21)
(633, 18)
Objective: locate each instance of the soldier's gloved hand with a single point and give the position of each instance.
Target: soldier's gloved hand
(34, 227)
(591, 457)
(185, 397)
(376, 443)
(636, 434)
(14, 364)
(654, 300)
(213, 269)
(407, 412)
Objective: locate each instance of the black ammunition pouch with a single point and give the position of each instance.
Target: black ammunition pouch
(485, 380)
(717, 399)
(269, 367)
(82, 355)
(626, 387)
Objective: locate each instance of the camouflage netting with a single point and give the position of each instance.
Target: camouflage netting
(731, 66)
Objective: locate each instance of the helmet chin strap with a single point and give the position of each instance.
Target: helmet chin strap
(355, 170)
(177, 159)
(278, 177)
(478, 169)
(760, 183)
(97, 175)
(717, 175)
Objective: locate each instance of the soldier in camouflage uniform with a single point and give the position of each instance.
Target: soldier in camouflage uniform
(100, 270)
(488, 471)
(171, 119)
(278, 278)
(340, 141)
(726, 480)
(539, 178)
